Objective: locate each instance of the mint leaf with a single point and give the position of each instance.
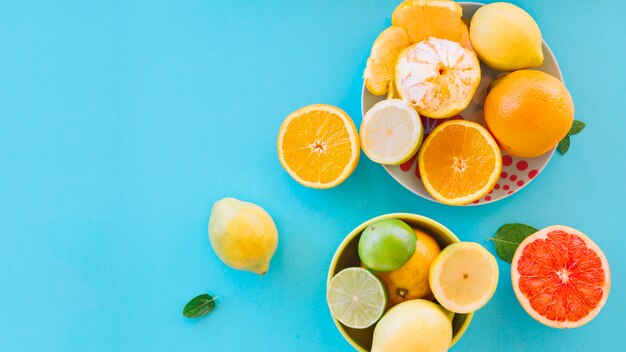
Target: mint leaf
(508, 237)
(577, 126)
(199, 306)
(563, 146)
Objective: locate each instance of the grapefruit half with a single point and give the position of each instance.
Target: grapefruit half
(560, 277)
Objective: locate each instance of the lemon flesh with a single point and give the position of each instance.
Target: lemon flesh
(391, 132)
(464, 277)
(506, 37)
(356, 298)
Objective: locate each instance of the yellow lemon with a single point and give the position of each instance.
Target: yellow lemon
(243, 235)
(416, 325)
(506, 37)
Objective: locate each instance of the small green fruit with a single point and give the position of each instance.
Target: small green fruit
(386, 245)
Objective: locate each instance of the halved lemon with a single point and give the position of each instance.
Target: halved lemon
(318, 145)
(438, 77)
(459, 162)
(356, 298)
(464, 277)
(391, 132)
(379, 70)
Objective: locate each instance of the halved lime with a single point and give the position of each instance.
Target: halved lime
(356, 298)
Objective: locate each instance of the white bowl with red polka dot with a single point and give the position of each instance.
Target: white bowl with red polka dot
(516, 174)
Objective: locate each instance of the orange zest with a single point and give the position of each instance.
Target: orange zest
(459, 162)
(318, 145)
(435, 18)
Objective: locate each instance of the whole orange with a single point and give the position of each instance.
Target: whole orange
(529, 112)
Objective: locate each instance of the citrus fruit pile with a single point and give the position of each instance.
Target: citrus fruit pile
(430, 59)
(428, 64)
(409, 288)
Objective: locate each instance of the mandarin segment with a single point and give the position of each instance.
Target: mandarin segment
(318, 146)
(378, 72)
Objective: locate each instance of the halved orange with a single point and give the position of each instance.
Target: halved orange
(459, 162)
(318, 145)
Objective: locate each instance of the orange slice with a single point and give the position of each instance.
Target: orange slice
(459, 162)
(379, 70)
(318, 145)
(432, 18)
(438, 77)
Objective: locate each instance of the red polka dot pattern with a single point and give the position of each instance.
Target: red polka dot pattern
(516, 172)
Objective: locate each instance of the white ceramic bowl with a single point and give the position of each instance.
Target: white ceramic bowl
(517, 173)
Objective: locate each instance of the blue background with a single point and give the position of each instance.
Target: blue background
(121, 122)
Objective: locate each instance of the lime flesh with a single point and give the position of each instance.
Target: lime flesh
(356, 298)
(386, 245)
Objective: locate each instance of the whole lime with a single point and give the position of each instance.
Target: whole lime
(386, 245)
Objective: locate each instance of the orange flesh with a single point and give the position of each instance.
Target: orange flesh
(460, 161)
(561, 277)
(317, 146)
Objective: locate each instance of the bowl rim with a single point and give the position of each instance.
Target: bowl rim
(409, 217)
(551, 152)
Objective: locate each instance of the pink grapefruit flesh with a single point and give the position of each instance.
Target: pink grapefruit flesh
(560, 277)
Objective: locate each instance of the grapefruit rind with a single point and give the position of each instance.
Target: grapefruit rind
(525, 302)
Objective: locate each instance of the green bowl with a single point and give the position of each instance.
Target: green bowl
(347, 255)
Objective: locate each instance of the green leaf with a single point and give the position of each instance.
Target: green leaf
(563, 146)
(577, 126)
(199, 306)
(508, 237)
